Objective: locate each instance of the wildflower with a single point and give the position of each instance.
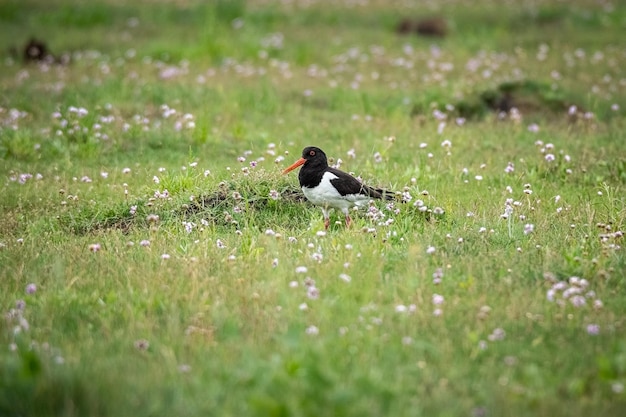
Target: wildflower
(509, 168)
(378, 157)
(345, 277)
(159, 194)
(578, 301)
(377, 321)
(497, 334)
(437, 312)
(407, 340)
(144, 243)
(484, 311)
(126, 170)
(593, 329)
(274, 195)
(274, 262)
(152, 218)
(220, 244)
(94, 247)
(430, 250)
(313, 293)
(550, 157)
(301, 270)
(312, 330)
(529, 228)
(189, 225)
(437, 276)
(31, 288)
(438, 299)
(401, 308)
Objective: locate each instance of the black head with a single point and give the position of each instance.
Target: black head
(314, 155)
(311, 157)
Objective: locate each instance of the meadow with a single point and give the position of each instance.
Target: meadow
(154, 261)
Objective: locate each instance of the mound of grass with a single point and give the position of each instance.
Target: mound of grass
(154, 261)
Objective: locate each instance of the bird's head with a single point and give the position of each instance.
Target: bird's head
(310, 156)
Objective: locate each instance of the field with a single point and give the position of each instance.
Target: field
(154, 261)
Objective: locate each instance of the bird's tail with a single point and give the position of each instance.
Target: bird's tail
(379, 193)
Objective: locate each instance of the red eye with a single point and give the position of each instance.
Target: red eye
(312, 153)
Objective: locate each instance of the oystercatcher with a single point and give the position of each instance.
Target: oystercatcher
(330, 188)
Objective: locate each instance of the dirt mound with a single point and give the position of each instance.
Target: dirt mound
(436, 27)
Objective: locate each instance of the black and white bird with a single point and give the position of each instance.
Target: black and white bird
(330, 188)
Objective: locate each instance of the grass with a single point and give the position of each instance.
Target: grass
(154, 261)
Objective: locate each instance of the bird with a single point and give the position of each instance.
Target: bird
(330, 188)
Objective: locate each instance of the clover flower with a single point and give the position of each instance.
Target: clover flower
(31, 288)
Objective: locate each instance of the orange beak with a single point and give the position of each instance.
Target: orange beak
(295, 165)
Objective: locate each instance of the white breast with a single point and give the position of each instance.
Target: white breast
(326, 195)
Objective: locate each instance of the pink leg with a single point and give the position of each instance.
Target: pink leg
(326, 217)
(348, 220)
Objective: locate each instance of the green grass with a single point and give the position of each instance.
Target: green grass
(194, 301)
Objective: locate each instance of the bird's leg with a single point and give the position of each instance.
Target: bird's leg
(348, 220)
(326, 218)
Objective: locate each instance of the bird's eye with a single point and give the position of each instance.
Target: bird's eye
(312, 153)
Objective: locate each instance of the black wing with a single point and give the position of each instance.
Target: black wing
(347, 184)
